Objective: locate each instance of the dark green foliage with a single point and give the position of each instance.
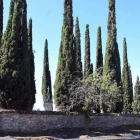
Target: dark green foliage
(1, 18)
(112, 58)
(91, 69)
(99, 55)
(74, 54)
(99, 61)
(15, 70)
(7, 33)
(115, 44)
(131, 84)
(65, 66)
(118, 65)
(126, 81)
(87, 53)
(136, 102)
(77, 51)
(46, 79)
(32, 64)
(57, 85)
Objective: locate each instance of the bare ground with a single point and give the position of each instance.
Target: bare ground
(74, 133)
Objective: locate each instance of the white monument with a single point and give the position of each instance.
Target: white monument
(48, 103)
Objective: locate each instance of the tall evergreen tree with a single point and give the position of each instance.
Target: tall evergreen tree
(136, 101)
(7, 33)
(126, 81)
(65, 66)
(87, 53)
(15, 71)
(1, 18)
(131, 84)
(77, 51)
(46, 79)
(99, 61)
(112, 57)
(99, 55)
(91, 69)
(32, 64)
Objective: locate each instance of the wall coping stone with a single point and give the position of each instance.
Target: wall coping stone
(64, 113)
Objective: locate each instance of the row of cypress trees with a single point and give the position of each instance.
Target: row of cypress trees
(17, 68)
(17, 82)
(70, 53)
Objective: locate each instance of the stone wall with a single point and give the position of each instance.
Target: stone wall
(40, 122)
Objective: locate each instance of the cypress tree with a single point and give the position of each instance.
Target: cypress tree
(136, 102)
(112, 58)
(77, 50)
(126, 81)
(1, 18)
(32, 64)
(74, 54)
(99, 55)
(99, 61)
(25, 59)
(7, 33)
(87, 53)
(65, 66)
(58, 84)
(46, 79)
(15, 72)
(91, 69)
(131, 84)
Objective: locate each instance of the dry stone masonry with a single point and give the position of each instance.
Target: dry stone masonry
(40, 122)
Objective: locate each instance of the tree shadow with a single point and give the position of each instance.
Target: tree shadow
(68, 133)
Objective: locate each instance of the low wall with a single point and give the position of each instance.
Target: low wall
(40, 122)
